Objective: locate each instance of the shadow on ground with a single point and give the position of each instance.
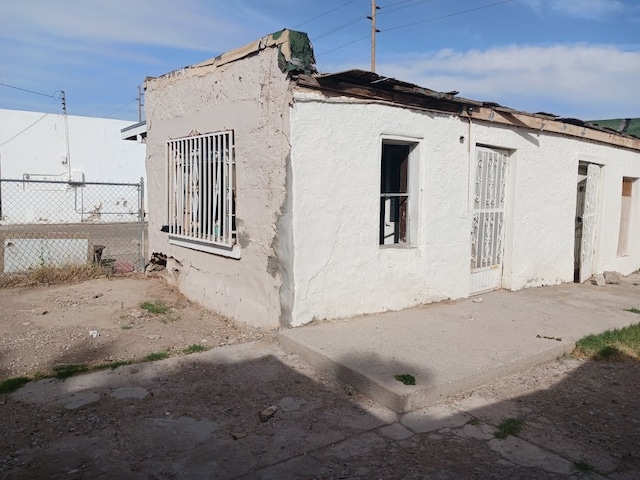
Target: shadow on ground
(198, 417)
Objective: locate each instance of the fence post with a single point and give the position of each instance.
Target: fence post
(141, 220)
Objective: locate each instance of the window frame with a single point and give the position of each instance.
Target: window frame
(411, 193)
(201, 193)
(626, 244)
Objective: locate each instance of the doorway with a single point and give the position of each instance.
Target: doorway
(489, 182)
(585, 223)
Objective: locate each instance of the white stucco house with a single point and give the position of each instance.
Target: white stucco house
(280, 195)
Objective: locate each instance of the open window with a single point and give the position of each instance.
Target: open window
(395, 189)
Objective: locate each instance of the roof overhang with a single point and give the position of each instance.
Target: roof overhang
(136, 132)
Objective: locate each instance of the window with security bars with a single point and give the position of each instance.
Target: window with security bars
(201, 191)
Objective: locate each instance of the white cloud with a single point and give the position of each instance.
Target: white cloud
(188, 24)
(570, 80)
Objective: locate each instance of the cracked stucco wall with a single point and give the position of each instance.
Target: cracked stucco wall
(251, 97)
(341, 271)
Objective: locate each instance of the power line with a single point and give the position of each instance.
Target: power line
(121, 108)
(341, 27)
(396, 3)
(324, 14)
(384, 9)
(447, 16)
(29, 91)
(413, 23)
(342, 46)
(24, 129)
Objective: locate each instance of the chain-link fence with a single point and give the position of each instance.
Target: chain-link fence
(59, 223)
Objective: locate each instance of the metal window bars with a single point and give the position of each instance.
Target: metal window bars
(201, 188)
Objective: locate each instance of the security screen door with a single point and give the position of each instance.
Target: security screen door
(489, 179)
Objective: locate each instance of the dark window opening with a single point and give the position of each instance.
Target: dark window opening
(394, 193)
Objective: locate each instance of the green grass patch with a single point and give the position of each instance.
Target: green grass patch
(112, 365)
(474, 421)
(155, 307)
(152, 357)
(406, 379)
(633, 310)
(126, 327)
(614, 345)
(12, 384)
(194, 348)
(66, 371)
(510, 426)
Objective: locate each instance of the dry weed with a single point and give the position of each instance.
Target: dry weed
(49, 274)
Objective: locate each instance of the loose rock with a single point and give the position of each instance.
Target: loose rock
(267, 413)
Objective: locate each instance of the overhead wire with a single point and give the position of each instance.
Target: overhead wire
(121, 108)
(396, 3)
(340, 27)
(23, 130)
(413, 23)
(446, 16)
(386, 10)
(53, 95)
(324, 14)
(342, 46)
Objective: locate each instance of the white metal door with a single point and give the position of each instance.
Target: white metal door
(589, 213)
(489, 174)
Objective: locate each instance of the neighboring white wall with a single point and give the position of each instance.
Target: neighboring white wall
(95, 145)
(251, 97)
(339, 268)
(33, 145)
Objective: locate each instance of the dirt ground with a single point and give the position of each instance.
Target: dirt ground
(100, 321)
(197, 416)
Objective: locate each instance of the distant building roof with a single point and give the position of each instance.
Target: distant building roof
(136, 132)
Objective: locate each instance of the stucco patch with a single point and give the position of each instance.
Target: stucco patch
(243, 239)
(273, 265)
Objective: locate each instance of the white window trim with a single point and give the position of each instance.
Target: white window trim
(233, 252)
(413, 187)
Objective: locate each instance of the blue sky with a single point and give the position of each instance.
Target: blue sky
(574, 58)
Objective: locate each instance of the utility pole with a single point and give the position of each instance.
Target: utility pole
(140, 104)
(374, 30)
(67, 161)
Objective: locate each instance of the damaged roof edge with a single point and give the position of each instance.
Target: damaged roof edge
(295, 53)
(370, 86)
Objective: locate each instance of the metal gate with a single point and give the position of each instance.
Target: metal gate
(59, 222)
(489, 174)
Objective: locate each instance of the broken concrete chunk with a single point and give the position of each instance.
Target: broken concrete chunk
(613, 278)
(599, 280)
(237, 435)
(267, 413)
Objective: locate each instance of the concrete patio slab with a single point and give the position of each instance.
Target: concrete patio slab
(453, 347)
